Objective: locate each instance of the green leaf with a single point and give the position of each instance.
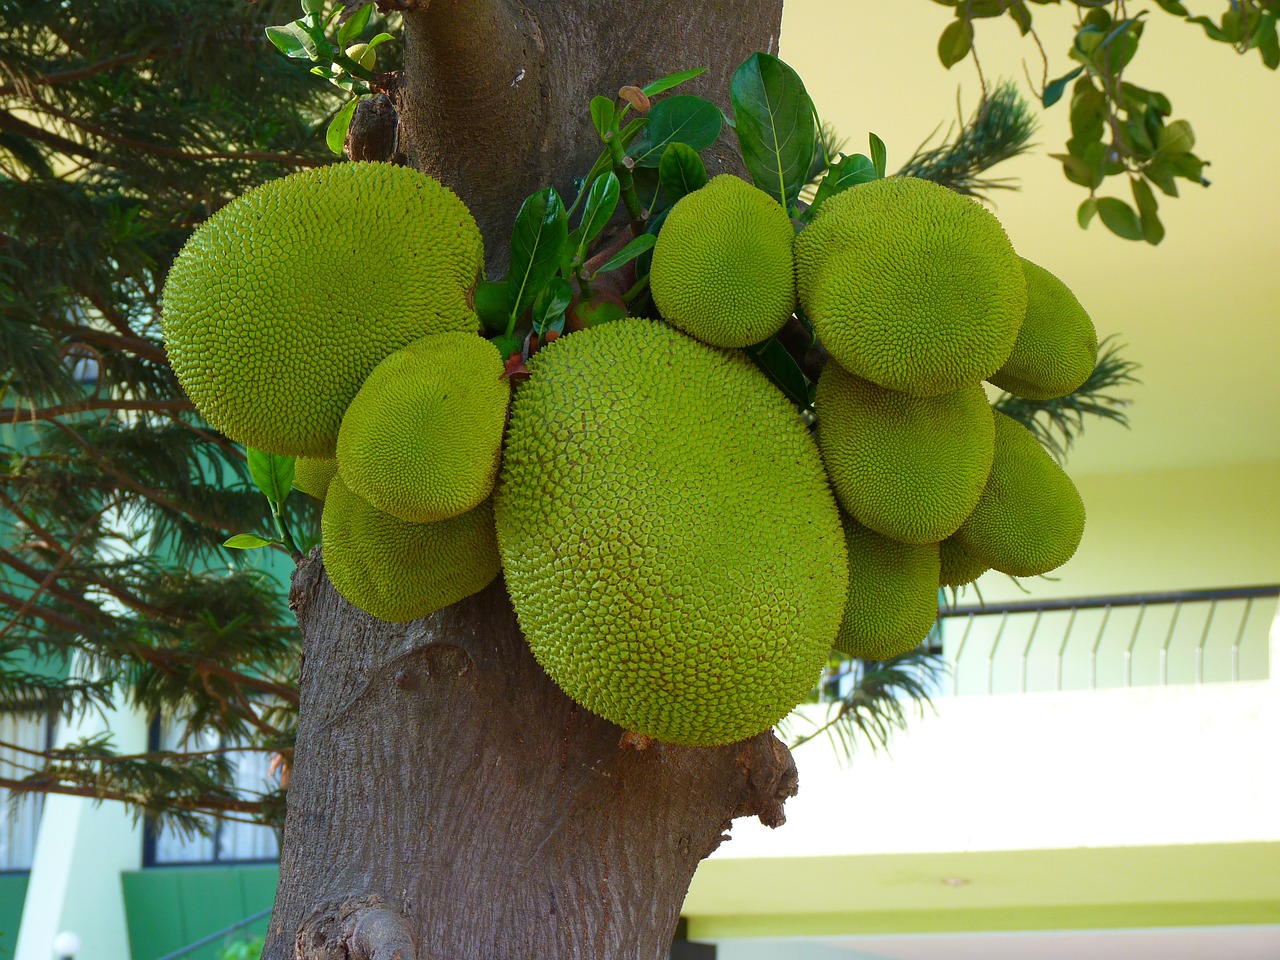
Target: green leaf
(602, 201)
(780, 367)
(1173, 6)
(1148, 207)
(293, 41)
(845, 173)
(380, 39)
(1267, 42)
(603, 114)
(313, 6)
(635, 248)
(248, 541)
(271, 473)
(1176, 138)
(955, 43)
(538, 240)
(507, 344)
(1053, 90)
(1161, 174)
(336, 135)
(492, 303)
(1210, 28)
(683, 119)
(1120, 218)
(681, 171)
(549, 308)
(1021, 16)
(671, 80)
(1085, 213)
(879, 155)
(354, 25)
(773, 117)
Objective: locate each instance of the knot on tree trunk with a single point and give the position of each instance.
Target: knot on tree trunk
(771, 779)
(362, 928)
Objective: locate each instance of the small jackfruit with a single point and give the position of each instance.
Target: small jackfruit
(893, 594)
(958, 568)
(910, 468)
(422, 439)
(722, 269)
(312, 475)
(1057, 346)
(670, 543)
(911, 286)
(400, 571)
(274, 316)
(1030, 518)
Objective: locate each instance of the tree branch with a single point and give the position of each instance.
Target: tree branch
(19, 413)
(213, 805)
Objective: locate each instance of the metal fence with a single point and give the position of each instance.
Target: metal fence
(1153, 639)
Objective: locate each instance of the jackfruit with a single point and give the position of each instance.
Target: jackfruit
(1030, 518)
(670, 543)
(911, 286)
(281, 304)
(893, 594)
(722, 269)
(958, 568)
(422, 438)
(910, 468)
(312, 475)
(400, 571)
(1057, 346)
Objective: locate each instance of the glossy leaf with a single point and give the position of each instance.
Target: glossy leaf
(603, 113)
(684, 119)
(879, 155)
(681, 171)
(249, 541)
(640, 245)
(538, 240)
(602, 201)
(780, 367)
(1177, 138)
(492, 304)
(671, 80)
(293, 41)
(271, 473)
(773, 117)
(550, 306)
(336, 134)
(1054, 89)
(845, 173)
(955, 43)
(354, 25)
(1120, 218)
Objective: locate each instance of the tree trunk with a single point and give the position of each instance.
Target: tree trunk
(447, 800)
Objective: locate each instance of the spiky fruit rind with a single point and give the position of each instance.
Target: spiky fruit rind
(670, 543)
(400, 571)
(893, 594)
(911, 286)
(282, 303)
(958, 568)
(910, 468)
(312, 475)
(422, 439)
(1030, 518)
(722, 268)
(1057, 346)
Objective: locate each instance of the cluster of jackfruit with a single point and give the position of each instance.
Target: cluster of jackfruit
(681, 553)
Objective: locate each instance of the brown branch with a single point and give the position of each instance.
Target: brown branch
(82, 73)
(37, 576)
(172, 660)
(180, 755)
(47, 615)
(50, 139)
(211, 805)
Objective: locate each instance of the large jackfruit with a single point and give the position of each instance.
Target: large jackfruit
(282, 303)
(910, 468)
(422, 438)
(1057, 346)
(670, 543)
(958, 568)
(1030, 518)
(911, 286)
(893, 594)
(312, 475)
(400, 571)
(722, 269)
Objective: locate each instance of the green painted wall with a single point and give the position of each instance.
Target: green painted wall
(13, 891)
(168, 908)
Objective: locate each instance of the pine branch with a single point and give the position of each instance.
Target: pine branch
(1058, 423)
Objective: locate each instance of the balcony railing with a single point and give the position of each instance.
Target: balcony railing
(1153, 639)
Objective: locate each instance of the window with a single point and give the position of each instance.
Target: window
(18, 823)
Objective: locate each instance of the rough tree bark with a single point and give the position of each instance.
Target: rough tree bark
(447, 801)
